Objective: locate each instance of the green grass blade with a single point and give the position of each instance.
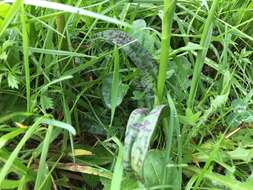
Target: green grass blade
(115, 84)
(226, 181)
(60, 124)
(12, 115)
(204, 43)
(11, 14)
(5, 138)
(5, 169)
(59, 52)
(118, 169)
(17, 166)
(42, 171)
(44, 88)
(71, 9)
(22, 183)
(50, 172)
(10, 184)
(174, 125)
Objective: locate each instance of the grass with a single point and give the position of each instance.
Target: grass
(204, 43)
(72, 72)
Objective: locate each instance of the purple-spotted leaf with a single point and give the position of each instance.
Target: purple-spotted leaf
(135, 51)
(140, 128)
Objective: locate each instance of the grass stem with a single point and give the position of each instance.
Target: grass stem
(26, 58)
(168, 12)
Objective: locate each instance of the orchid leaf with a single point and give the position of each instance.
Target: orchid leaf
(140, 128)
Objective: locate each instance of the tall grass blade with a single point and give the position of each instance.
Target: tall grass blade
(5, 138)
(26, 58)
(70, 9)
(42, 171)
(9, 17)
(118, 169)
(115, 83)
(204, 43)
(60, 124)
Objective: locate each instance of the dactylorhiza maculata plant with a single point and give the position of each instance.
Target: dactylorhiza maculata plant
(55, 73)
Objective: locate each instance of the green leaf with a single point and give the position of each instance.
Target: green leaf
(153, 169)
(140, 32)
(129, 183)
(138, 95)
(60, 124)
(222, 98)
(241, 154)
(8, 44)
(17, 166)
(107, 93)
(12, 81)
(189, 118)
(241, 113)
(218, 101)
(46, 86)
(183, 70)
(3, 56)
(189, 47)
(46, 102)
(1, 78)
(139, 55)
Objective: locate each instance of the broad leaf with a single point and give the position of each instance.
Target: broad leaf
(153, 169)
(140, 32)
(107, 95)
(140, 128)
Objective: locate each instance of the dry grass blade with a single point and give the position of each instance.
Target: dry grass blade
(85, 169)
